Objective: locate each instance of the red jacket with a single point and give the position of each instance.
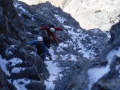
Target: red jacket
(51, 33)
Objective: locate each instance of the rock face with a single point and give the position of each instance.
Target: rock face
(89, 13)
(114, 42)
(12, 38)
(94, 14)
(20, 23)
(111, 80)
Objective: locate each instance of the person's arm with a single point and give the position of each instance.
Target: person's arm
(58, 29)
(31, 43)
(44, 28)
(55, 39)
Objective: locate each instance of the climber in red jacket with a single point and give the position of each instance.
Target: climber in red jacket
(51, 31)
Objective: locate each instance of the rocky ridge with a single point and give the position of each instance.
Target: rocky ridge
(90, 14)
(18, 20)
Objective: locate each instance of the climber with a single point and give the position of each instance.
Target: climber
(42, 49)
(47, 41)
(51, 31)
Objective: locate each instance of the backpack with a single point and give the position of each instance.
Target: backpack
(47, 41)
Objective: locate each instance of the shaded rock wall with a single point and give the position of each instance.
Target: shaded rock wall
(12, 45)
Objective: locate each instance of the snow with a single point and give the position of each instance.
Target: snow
(75, 44)
(67, 27)
(17, 70)
(15, 61)
(20, 83)
(29, 33)
(73, 57)
(21, 8)
(3, 64)
(78, 44)
(7, 52)
(60, 19)
(18, 6)
(33, 53)
(12, 46)
(111, 55)
(96, 73)
(63, 45)
(54, 73)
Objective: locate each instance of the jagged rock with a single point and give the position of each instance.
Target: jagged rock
(72, 76)
(12, 45)
(21, 22)
(114, 41)
(29, 73)
(111, 80)
(36, 86)
(1, 10)
(4, 84)
(15, 51)
(90, 14)
(4, 25)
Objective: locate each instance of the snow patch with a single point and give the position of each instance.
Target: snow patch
(96, 73)
(54, 74)
(20, 84)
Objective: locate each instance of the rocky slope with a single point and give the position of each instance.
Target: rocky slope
(23, 69)
(89, 13)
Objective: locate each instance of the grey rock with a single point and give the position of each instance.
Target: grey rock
(90, 14)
